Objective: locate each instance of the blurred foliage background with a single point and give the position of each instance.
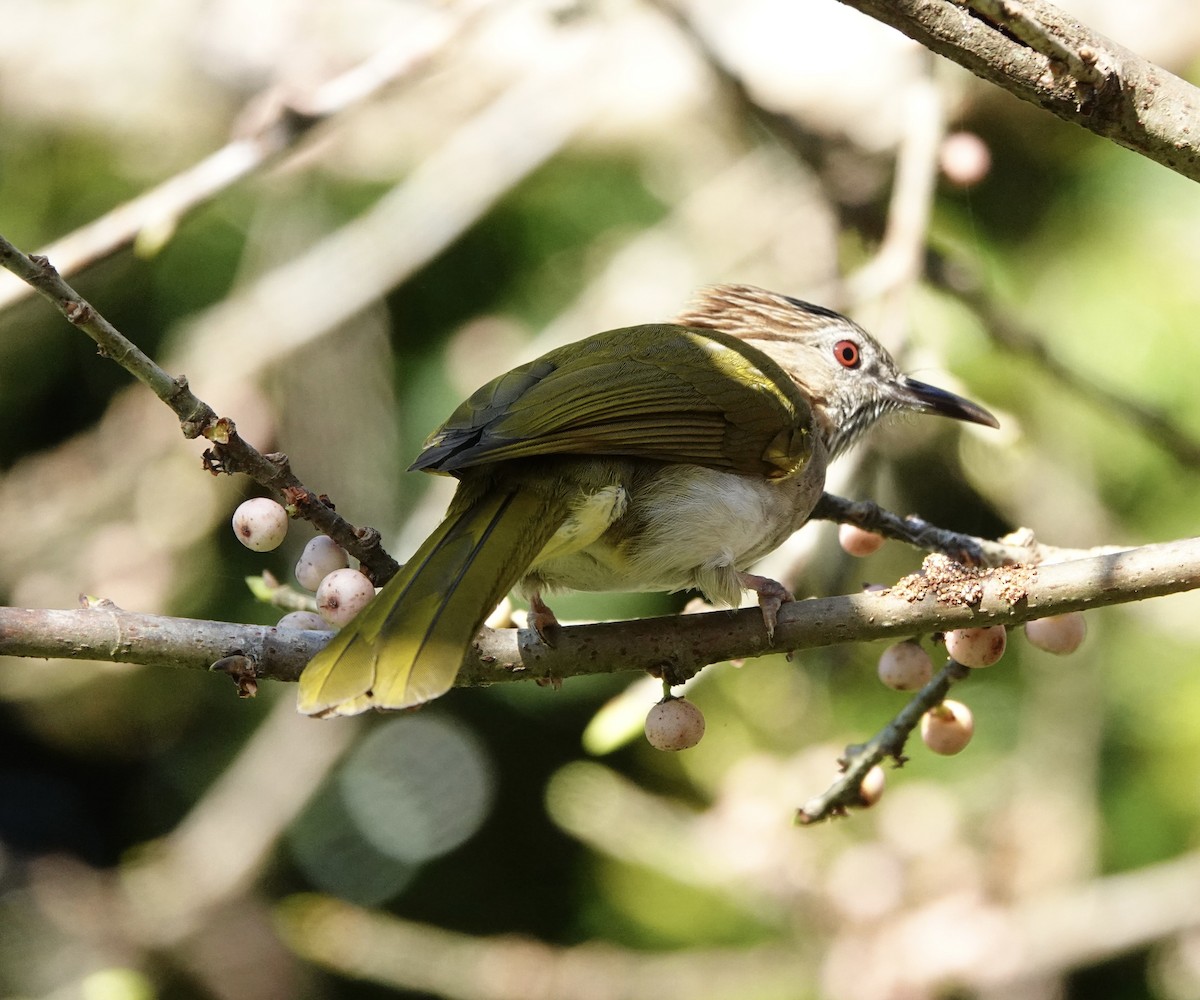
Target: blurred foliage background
(536, 172)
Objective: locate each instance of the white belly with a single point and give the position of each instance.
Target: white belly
(687, 527)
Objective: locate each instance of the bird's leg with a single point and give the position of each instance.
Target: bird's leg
(546, 625)
(542, 619)
(771, 595)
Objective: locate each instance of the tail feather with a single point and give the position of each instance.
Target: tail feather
(407, 645)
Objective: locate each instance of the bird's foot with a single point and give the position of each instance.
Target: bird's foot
(771, 595)
(542, 620)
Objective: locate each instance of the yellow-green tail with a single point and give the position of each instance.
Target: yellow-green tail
(407, 645)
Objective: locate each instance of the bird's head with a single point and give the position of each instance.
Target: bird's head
(849, 378)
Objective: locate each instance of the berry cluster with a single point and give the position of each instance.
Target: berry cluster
(324, 566)
(906, 666)
(947, 728)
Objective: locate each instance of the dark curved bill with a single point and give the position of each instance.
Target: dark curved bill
(914, 395)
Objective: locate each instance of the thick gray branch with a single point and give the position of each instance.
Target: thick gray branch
(1044, 56)
(680, 645)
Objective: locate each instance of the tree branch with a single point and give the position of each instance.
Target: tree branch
(106, 632)
(1044, 56)
(229, 452)
(678, 646)
(918, 532)
(1157, 425)
(999, 946)
(272, 125)
(846, 789)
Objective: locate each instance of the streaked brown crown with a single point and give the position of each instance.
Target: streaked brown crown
(848, 377)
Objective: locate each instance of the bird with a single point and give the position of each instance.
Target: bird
(660, 457)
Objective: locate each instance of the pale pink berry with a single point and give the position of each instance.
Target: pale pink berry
(976, 647)
(674, 724)
(947, 728)
(260, 524)
(871, 789)
(321, 556)
(858, 541)
(342, 595)
(303, 620)
(905, 666)
(964, 158)
(1059, 634)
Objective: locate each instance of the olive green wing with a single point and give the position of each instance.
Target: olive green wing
(670, 393)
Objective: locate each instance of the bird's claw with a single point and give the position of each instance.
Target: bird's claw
(771, 595)
(542, 620)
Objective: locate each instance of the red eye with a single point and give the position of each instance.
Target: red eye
(846, 352)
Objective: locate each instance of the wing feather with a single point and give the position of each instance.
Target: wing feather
(670, 393)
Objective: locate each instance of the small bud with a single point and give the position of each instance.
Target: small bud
(976, 647)
(871, 789)
(303, 620)
(947, 728)
(905, 666)
(260, 524)
(342, 595)
(858, 541)
(674, 724)
(1059, 634)
(321, 556)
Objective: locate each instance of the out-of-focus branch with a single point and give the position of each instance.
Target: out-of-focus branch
(214, 855)
(353, 267)
(1158, 427)
(998, 947)
(677, 646)
(413, 956)
(350, 270)
(896, 266)
(273, 124)
(230, 452)
(1044, 56)
(176, 893)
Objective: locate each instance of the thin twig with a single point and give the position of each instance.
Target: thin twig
(1157, 426)
(920, 533)
(844, 792)
(896, 266)
(229, 452)
(272, 125)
